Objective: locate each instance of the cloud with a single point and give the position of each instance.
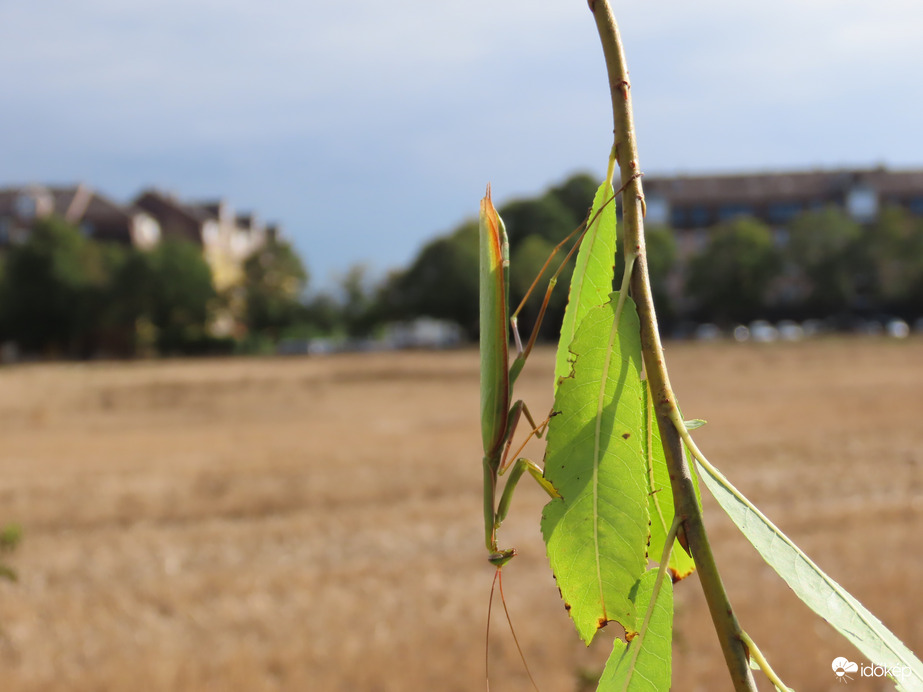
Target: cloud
(423, 100)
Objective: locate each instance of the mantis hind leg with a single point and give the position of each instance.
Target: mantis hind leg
(493, 469)
(521, 466)
(501, 557)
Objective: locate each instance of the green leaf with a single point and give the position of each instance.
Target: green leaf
(823, 595)
(593, 271)
(597, 532)
(644, 663)
(660, 493)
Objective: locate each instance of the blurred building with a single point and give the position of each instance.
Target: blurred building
(226, 238)
(691, 205)
(97, 216)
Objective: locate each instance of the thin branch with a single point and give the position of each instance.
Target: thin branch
(686, 505)
(761, 661)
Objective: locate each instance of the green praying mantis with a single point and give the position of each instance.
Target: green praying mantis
(499, 413)
(499, 417)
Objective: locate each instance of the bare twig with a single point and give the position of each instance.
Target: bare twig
(693, 532)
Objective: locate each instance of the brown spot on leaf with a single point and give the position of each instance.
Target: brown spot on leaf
(567, 606)
(630, 635)
(625, 436)
(602, 622)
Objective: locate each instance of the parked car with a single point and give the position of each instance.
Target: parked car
(896, 328)
(790, 331)
(763, 332)
(707, 332)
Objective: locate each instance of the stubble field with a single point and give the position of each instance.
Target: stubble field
(315, 524)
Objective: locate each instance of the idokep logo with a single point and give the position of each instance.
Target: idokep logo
(843, 666)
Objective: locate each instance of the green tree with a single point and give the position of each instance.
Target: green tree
(322, 315)
(442, 282)
(576, 193)
(51, 288)
(892, 254)
(546, 216)
(661, 262)
(730, 277)
(360, 311)
(134, 294)
(525, 264)
(274, 280)
(181, 291)
(823, 249)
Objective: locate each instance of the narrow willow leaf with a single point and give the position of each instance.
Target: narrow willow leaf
(823, 595)
(597, 532)
(644, 663)
(593, 271)
(660, 493)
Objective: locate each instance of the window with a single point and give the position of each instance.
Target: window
(25, 206)
(862, 203)
(783, 212)
(698, 217)
(658, 210)
(729, 211)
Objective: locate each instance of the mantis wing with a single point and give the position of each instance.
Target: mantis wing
(494, 287)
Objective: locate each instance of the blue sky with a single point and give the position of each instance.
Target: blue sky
(366, 131)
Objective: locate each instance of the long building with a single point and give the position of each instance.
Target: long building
(692, 204)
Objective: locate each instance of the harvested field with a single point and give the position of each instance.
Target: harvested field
(315, 524)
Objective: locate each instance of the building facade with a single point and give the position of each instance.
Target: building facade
(226, 238)
(690, 205)
(97, 216)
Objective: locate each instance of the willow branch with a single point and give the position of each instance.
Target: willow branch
(686, 505)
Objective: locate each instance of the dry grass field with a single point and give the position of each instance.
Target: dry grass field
(315, 524)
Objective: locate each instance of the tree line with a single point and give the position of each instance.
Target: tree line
(822, 264)
(63, 294)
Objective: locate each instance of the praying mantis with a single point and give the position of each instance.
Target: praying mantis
(499, 414)
(499, 417)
